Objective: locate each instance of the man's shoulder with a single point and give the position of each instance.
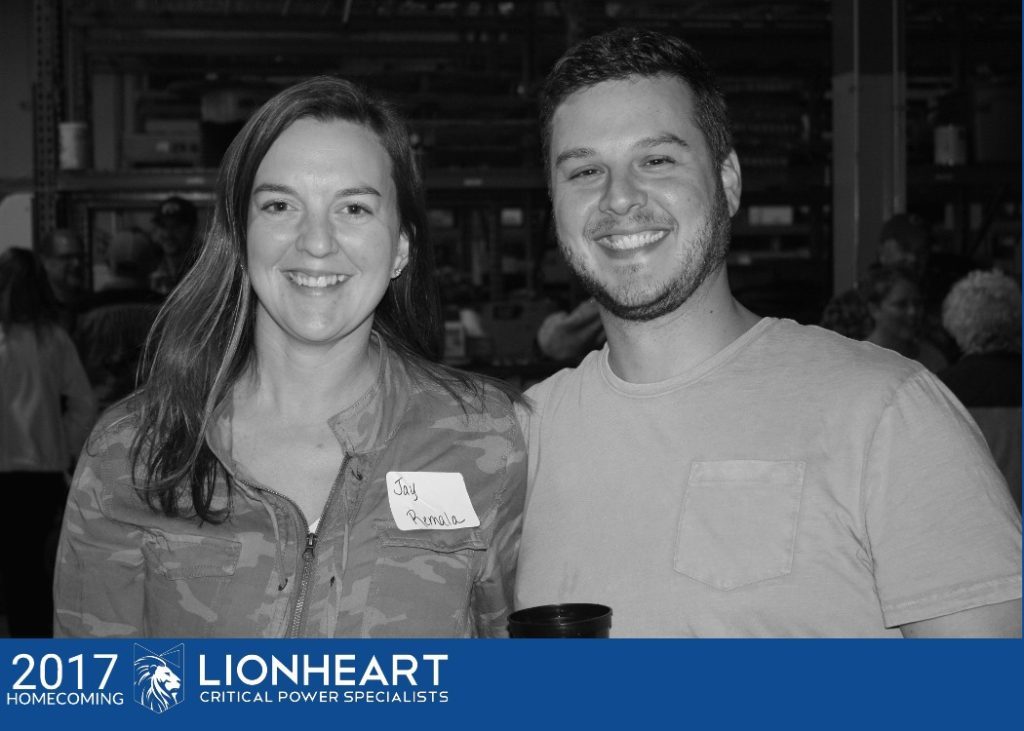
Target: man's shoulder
(822, 351)
(566, 379)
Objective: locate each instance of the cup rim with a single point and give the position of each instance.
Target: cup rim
(600, 612)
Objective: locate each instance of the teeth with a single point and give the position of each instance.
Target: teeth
(625, 242)
(324, 280)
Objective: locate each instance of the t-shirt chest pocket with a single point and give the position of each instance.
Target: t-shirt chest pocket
(738, 522)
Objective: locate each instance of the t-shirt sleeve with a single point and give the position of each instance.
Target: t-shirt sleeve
(945, 535)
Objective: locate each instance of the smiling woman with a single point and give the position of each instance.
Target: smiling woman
(324, 238)
(291, 374)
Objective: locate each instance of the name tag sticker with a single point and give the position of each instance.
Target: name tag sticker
(430, 501)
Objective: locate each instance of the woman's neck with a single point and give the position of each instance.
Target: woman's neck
(299, 384)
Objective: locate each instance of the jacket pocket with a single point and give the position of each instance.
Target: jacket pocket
(422, 581)
(183, 556)
(190, 586)
(738, 523)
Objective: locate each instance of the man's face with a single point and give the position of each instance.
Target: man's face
(174, 235)
(909, 255)
(65, 264)
(641, 209)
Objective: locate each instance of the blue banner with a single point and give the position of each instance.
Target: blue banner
(513, 684)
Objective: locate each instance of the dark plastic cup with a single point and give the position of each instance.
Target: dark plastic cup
(561, 620)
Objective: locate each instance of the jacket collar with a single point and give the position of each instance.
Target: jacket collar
(361, 428)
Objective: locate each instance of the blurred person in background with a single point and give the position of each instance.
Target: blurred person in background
(46, 411)
(63, 255)
(896, 304)
(174, 229)
(113, 324)
(903, 243)
(566, 337)
(982, 313)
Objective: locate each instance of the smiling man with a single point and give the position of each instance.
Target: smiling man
(710, 472)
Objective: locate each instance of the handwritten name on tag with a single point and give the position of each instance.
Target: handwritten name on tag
(430, 501)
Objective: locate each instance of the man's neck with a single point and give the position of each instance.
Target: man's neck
(654, 351)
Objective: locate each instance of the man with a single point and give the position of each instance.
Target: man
(114, 322)
(63, 257)
(175, 231)
(710, 472)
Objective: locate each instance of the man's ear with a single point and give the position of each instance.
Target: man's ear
(732, 181)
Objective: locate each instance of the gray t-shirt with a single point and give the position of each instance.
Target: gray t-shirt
(796, 483)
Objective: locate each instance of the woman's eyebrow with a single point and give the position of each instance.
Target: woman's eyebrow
(344, 192)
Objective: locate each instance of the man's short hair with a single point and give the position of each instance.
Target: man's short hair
(60, 243)
(908, 230)
(133, 253)
(626, 52)
(175, 209)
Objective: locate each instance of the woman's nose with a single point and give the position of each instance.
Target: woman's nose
(317, 236)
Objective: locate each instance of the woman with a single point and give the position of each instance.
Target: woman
(896, 306)
(298, 463)
(46, 411)
(982, 313)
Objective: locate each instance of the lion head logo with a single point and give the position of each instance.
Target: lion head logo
(157, 685)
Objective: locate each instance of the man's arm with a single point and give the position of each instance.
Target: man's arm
(992, 620)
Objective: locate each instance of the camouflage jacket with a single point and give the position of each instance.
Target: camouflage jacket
(125, 570)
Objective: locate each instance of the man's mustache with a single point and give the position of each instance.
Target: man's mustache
(632, 222)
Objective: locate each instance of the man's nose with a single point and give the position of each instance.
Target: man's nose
(622, 192)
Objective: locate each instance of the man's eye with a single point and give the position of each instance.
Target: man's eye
(658, 161)
(583, 173)
(356, 209)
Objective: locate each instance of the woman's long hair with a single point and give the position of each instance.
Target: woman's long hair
(26, 297)
(203, 338)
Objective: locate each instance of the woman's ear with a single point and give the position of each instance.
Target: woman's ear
(401, 255)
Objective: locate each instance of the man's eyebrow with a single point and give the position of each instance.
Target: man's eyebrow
(579, 153)
(666, 139)
(343, 193)
(576, 153)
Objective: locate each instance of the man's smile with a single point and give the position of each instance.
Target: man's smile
(631, 241)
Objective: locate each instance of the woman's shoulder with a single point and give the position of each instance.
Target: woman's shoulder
(115, 430)
(458, 391)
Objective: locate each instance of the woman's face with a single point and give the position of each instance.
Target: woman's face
(900, 313)
(323, 237)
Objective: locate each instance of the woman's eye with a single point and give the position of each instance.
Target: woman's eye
(274, 207)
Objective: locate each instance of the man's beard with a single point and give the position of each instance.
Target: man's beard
(705, 255)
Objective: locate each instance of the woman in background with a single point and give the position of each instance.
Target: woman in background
(982, 313)
(299, 463)
(896, 306)
(46, 411)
